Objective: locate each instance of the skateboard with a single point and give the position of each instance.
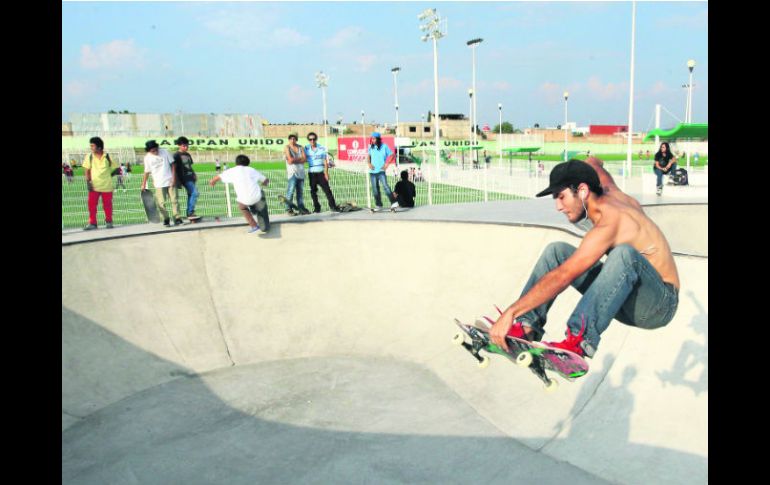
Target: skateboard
(349, 206)
(148, 201)
(537, 356)
(194, 219)
(391, 209)
(297, 211)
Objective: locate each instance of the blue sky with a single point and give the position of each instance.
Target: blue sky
(261, 57)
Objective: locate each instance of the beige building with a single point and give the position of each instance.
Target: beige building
(450, 129)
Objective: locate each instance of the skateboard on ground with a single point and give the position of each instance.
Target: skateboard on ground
(391, 209)
(349, 206)
(537, 356)
(297, 211)
(194, 219)
(148, 201)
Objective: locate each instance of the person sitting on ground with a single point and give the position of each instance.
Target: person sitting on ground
(405, 191)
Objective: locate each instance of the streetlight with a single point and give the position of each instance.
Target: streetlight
(472, 44)
(688, 117)
(363, 126)
(366, 149)
(322, 80)
(629, 147)
(690, 66)
(432, 29)
(470, 114)
(500, 137)
(566, 95)
(395, 85)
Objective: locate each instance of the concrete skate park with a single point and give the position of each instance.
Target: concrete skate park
(321, 352)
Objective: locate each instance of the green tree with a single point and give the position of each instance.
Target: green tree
(507, 128)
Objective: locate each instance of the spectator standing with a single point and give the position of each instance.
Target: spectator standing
(99, 171)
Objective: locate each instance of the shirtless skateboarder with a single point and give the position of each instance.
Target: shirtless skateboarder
(638, 283)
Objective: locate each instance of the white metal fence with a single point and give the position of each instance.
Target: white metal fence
(450, 184)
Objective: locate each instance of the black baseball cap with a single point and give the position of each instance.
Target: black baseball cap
(150, 145)
(572, 173)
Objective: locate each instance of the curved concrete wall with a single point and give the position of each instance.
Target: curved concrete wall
(140, 312)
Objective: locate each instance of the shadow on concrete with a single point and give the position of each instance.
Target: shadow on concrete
(337, 419)
(692, 357)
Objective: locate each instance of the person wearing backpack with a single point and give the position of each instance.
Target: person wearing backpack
(99, 172)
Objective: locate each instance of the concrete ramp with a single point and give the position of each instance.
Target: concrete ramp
(322, 353)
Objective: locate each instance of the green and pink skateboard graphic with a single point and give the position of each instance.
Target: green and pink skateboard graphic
(538, 356)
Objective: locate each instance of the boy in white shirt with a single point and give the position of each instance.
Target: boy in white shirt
(159, 163)
(248, 194)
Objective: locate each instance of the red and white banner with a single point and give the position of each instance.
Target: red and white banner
(356, 148)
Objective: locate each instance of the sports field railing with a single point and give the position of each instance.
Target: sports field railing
(449, 184)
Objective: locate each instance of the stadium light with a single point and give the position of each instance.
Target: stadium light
(566, 95)
(474, 114)
(432, 26)
(322, 81)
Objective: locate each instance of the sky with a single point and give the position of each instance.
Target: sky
(261, 57)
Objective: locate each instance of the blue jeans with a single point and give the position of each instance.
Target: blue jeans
(376, 179)
(192, 196)
(659, 174)
(295, 184)
(625, 287)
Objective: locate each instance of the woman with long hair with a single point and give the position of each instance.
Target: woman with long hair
(665, 161)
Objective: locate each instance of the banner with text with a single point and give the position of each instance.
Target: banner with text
(356, 148)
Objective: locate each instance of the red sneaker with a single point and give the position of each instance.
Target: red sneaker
(571, 343)
(517, 329)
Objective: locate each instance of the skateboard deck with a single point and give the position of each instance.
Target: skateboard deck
(388, 209)
(292, 205)
(194, 219)
(150, 209)
(537, 356)
(350, 206)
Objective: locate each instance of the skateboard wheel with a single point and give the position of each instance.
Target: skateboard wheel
(551, 386)
(484, 362)
(524, 359)
(458, 339)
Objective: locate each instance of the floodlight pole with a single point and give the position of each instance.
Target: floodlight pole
(366, 167)
(395, 86)
(322, 80)
(470, 115)
(472, 44)
(566, 96)
(627, 171)
(690, 66)
(500, 136)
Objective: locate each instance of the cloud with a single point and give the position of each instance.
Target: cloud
(298, 95)
(365, 62)
(449, 83)
(247, 29)
(116, 54)
(550, 92)
(606, 92)
(76, 90)
(288, 37)
(496, 86)
(697, 21)
(344, 37)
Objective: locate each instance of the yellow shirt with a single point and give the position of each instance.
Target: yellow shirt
(100, 172)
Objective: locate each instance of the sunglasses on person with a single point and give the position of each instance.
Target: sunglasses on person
(312, 139)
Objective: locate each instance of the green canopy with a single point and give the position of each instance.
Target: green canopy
(520, 150)
(682, 130)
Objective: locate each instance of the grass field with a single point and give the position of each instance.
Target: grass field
(212, 201)
(610, 158)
